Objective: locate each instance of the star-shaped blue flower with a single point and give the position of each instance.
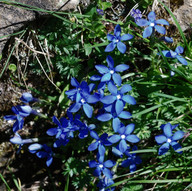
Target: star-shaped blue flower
(176, 54)
(168, 138)
(116, 40)
(152, 25)
(110, 73)
(117, 98)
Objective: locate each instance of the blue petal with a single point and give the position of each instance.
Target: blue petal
(104, 117)
(121, 67)
(116, 124)
(107, 173)
(167, 39)
(106, 77)
(16, 140)
(93, 146)
(112, 88)
(126, 163)
(75, 107)
(109, 163)
(132, 167)
(147, 32)
(176, 146)
(52, 131)
(121, 47)
(129, 129)
(88, 110)
(160, 139)
(160, 29)
(92, 164)
(125, 115)
(93, 98)
(34, 147)
(117, 79)
(123, 146)
(74, 82)
(167, 130)
(179, 50)
(95, 78)
(166, 53)
(178, 135)
(129, 99)
(97, 172)
(10, 117)
(102, 69)
(94, 135)
(125, 88)
(110, 62)
(151, 16)
(126, 37)
(117, 152)
(119, 106)
(181, 60)
(108, 99)
(110, 47)
(142, 22)
(56, 121)
(132, 138)
(49, 161)
(162, 22)
(110, 37)
(41, 154)
(114, 138)
(163, 149)
(117, 30)
(101, 151)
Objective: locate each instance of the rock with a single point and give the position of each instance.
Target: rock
(12, 18)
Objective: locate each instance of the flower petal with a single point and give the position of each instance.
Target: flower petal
(106, 77)
(176, 146)
(117, 30)
(179, 50)
(181, 60)
(126, 37)
(163, 149)
(104, 117)
(121, 47)
(132, 138)
(110, 62)
(123, 146)
(116, 124)
(121, 67)
(75, 107)
(125, 115)
(129, 99)
(109, 163)
(107, 173)
(178, 135)
(151, 16)
(160, 29)
(162, 22)
(114, 138)
(125, 88)
(119, 106)
(88, 110)
(102, 69)
(160, 139)
(52, 131)
(93, 146)
(92, 164)
(117, 79)
(129, 129)
(110, 37)
(74, 82)
(142, 22)
(147, 32)
(112, 88)
(167, 130)
(110, 47)
(109, 99)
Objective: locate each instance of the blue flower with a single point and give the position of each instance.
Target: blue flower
(132, 159)
(100, 12)
(117, 98)
(27, 97)
(124, 135)
(175, 54)
(136, 14)
(21, 112)
(46, 153)
(110, 73)
(168, 138)
(105, 182)
(100, 142)
(116, 40)
(152, 25)
(102, 167)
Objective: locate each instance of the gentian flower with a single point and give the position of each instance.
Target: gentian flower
(21, 112)
(118, 99)
(167, 39)
(152, 25)
(105, 182)
(100, 12)
(175, 54)
(100, 142)
(46, 153)
(136, 14)
(124, 135)
(27, 97)
(110, 73)
(132, 159)
(116, 40)
(168, 138)
(102, 167)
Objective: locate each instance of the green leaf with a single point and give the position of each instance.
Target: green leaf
(106, 5)
(88, 49)
(12, 67)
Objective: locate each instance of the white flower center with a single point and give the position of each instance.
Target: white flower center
(119, 96)
(100, 166)
(112, 72)
(168, 140)
(10, 121)
(122, 136)
(117, 40)
(152, 24)
(99, 141)
(82, 101)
